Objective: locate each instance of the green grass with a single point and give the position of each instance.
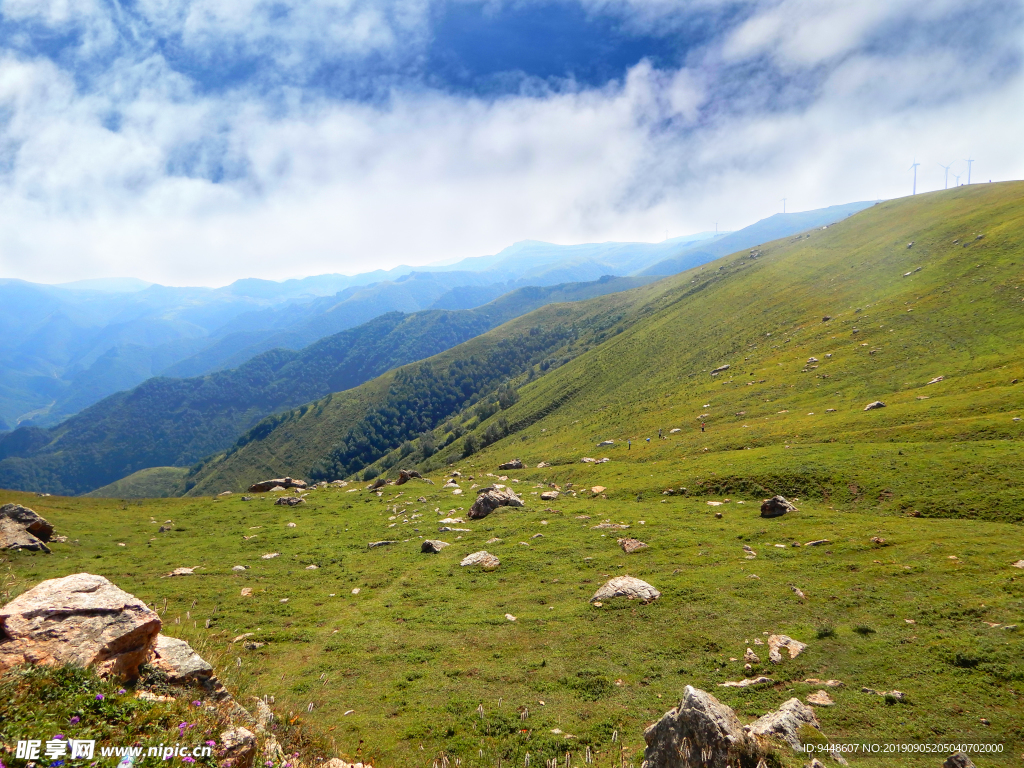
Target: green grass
(152, 483)
(426, 642)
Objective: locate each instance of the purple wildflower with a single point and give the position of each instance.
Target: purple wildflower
(188, 759)
(211, 743)
(122, 691)
(168, 757)
(99, 697)
(197, 703)
(74, 719)
(58, 737)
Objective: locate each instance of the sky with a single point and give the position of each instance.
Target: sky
(194, 142)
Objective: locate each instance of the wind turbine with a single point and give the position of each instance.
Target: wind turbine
(913, 167)
(956, 179)
(784, 204)
(946, 167)
(969, 161)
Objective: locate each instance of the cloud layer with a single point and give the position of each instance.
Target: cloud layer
(199, 142)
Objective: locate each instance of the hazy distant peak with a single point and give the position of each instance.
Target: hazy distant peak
(107, 285)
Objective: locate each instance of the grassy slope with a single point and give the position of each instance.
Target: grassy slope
(152, 483)
(957, 452)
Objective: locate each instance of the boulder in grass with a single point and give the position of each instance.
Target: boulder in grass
(514, 464)
(433, 546)
(80, 619)
(282, 482)
(183, 666)
(484, 559)
(785, 723)
(746, 682)
(375, 544)
(776, 506)
(958, 760)
(14, 536)
(626, 586)
(629, 546)
(874, 406)
(289, 501)
(380, 482)
(549, 495)
(405, 475)
(27, 519)
(489, 499)
(776, 644)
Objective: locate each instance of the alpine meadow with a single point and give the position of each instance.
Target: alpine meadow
(770, 504)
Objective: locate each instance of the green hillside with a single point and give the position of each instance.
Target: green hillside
(152, 483)
(950, 448)
(175, 422)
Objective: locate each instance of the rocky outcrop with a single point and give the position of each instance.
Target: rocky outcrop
(628, 587)
(80, 619)
(489, 499)
(289, 501)
(380, 482)
(700, 731)
(776, 506)
(27, 519)
(405, 475)
(183, 666)
(433, 546)
(785, 723)
(514, 464)
(14, 536)
(237, 748)
(778, 643)
(281, 482)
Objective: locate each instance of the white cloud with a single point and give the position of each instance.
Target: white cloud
(143, 172)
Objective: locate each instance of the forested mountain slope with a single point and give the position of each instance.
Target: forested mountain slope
(175, 422)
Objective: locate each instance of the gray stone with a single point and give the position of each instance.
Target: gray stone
(183, 666)
(489, 499)
(433, 546)
(628, 587)
(958, 760)
(631, 545)
(289, 501)
(27, 519)
(514, 464)
(15, 536)
(484, 559)
(785, 723)
(874, 406)
(237, 748)
(776, 506)
(375, 544)
(270, 485)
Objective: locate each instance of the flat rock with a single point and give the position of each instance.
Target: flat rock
(776, 506)
(279, 483)
(874, 406)
(289, 501)
(543, 465)
(628, 587)
(514, 464)
(489, 499)
(375, 544)
(433, 546)
(27, 519)
(700, 731)
(776, 643)
(609, 527)
(631, 545)
(270, 555)
(81, 619)
(820, 699)
(597, 489)
(549, 495)
(746, 683)
(785, 723)
(818, 542)
(181, 572)
(1019, 564)
(483, 558)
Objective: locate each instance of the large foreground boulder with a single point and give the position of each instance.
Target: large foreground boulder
(700, 731)
(489, 499)
(626, 586)
(27, 519)
(80, 619)
(776, 506)
(281, 482)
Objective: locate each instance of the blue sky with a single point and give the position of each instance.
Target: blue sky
(198, 141)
